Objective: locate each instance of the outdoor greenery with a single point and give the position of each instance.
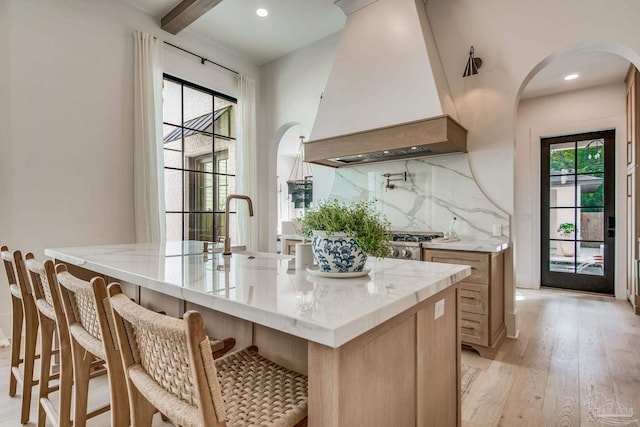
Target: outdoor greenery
(566, 160)
(566, 228)
(359, 220)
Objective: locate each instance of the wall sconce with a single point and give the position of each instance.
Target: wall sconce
(472, 64)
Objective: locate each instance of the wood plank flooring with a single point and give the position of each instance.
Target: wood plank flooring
(574, 353)
(10, 406)
(575, 363)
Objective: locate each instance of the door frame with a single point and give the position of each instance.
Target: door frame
(589, 283)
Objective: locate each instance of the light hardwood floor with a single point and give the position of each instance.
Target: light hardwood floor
(571, 346)
(10, 406)
(574, 353)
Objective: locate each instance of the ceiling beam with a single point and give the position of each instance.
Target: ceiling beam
(185, 13)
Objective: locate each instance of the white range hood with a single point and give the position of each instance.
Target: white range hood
(386, 74)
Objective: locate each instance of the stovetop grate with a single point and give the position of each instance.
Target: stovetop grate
(416, 237)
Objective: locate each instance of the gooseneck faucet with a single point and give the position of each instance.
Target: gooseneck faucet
(227, 239)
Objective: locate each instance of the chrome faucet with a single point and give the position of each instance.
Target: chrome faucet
(227, 239)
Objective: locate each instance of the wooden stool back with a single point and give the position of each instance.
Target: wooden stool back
(90, 322)
(52, 318)
(23, 312)
(170, 367)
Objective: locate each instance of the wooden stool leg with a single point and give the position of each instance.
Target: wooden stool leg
(81, 372)
(31, 337)
(66, 386)
(142, 411)
(46, 344)
(119, 396)
(16, 343)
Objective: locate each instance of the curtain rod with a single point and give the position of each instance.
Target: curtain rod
(202, 58)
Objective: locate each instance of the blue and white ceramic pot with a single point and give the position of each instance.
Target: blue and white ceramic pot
(337, 253)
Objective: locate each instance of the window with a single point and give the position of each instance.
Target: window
(199, 148)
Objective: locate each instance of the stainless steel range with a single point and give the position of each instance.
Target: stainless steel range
(408, 244)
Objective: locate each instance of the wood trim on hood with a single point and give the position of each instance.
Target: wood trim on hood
(436, 135)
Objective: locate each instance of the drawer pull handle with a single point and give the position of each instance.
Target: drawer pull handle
(470, 325)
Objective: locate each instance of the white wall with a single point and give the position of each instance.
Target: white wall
(290, 93)
(5, 152)
(602, 107)
(66, 114)
(513, 39)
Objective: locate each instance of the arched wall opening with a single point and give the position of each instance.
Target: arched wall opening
(288, 146)
(593, 108)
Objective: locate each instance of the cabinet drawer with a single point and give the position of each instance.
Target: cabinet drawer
(474, 328)
(479, 262)
(474, 298)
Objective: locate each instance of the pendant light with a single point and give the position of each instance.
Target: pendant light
(300, 182)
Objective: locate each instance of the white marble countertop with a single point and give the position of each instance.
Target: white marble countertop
(468, 245)
(260, 288)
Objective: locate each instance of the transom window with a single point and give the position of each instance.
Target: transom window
(199, 145)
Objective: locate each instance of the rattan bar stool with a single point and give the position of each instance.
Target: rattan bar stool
(52, 319)
(47, 304)
(169, 367)
(90, 323)
(23, 312)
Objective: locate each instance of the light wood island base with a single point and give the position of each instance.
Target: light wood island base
(404, 372)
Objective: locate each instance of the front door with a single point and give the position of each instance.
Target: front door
(578, 215)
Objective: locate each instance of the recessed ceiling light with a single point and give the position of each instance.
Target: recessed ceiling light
(386, 151)
(414, 148)
(262, 12)
(571, 76)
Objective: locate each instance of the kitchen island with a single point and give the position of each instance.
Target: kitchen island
(379, 350)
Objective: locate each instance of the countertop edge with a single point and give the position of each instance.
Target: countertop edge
(312, 331)
(472, 246)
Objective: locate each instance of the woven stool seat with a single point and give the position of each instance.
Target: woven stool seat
(46, 309)
(169, 366)
(257, 391)
(15, 291)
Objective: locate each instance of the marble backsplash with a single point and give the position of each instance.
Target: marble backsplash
(437, 189)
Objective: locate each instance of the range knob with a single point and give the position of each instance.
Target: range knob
(406, 253)
(394, 252)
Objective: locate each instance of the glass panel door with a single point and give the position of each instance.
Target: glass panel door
(578, 218)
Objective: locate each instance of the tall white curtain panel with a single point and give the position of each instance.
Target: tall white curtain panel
(147, 139)
(246, 169)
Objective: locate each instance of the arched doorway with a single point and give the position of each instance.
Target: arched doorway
(549, 106)
(288, 148)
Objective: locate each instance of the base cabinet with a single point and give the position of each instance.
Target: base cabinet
(403, 373)
(481, 297)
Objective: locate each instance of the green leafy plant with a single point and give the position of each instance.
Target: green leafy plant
(566, 228)
(359, 220)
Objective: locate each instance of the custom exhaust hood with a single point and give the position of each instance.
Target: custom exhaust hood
(386, 96)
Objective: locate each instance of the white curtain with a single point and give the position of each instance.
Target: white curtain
(148, 159)
(247, 182)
